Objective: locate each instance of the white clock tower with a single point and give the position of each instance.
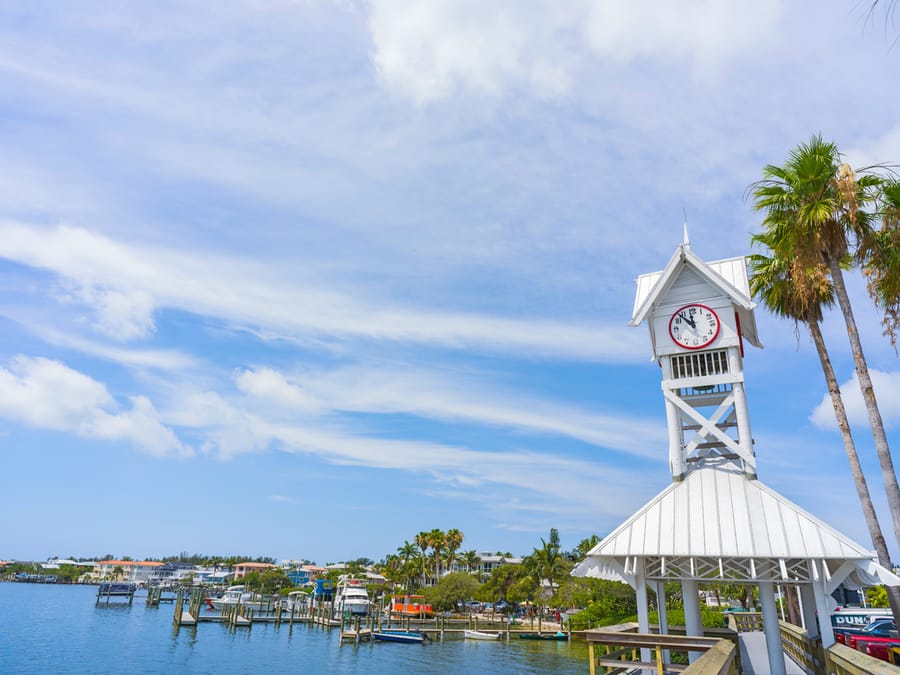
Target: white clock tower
(699, 315)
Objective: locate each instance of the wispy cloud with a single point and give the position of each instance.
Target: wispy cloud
(141, 278)
(435, 49)
(451, 396)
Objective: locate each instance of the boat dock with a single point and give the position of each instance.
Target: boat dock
(108, 590)
(191, 609)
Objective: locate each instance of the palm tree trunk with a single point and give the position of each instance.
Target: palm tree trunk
(859, 479)
(891, 488)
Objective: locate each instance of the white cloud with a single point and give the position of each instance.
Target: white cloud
(887, 393)
(47, 394)
(233, 430)
(160, 359)
(123, 315)
(428, 51)
(272, 388)
(450, 396)
(702, 33)
(277, 301)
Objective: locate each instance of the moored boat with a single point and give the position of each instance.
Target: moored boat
(297, 601)
(403, 636)
(351, 599)
(410, 605)
(481, 635)
(560, 636)
(237, 595)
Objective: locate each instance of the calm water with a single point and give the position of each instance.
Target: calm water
(58, 629)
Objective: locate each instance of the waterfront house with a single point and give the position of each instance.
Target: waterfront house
(243, 569)
(488, 563)
(172, 573)
(133, 571)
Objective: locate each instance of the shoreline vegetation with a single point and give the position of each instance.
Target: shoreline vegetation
(536, 586)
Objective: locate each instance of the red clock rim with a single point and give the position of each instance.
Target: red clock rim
(708, 342)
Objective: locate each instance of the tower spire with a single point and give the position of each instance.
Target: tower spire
(687, 239)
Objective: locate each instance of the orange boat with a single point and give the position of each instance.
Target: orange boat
(410, 605)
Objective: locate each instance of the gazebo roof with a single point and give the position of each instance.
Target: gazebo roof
(718, 524)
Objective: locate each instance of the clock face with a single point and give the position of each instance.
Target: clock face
(694, 326)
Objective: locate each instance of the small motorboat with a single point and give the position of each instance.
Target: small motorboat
(558, 635)
(481, 635)
(407, 636)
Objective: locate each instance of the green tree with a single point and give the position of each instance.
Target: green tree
(497, 586)
(585, 545)
(453, 540)
(547, 560)
(881, 260)
(423, 541)
(451, 589)
(471, 559)
(818, 213)
(773, 281)
(407, 552)
(437, 540)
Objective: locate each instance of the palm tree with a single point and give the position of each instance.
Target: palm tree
(423, 541)
(584, 546)
(471, 559)
(437, 540)
(816, 216)
(407, 551)
(881, 260)
(772, 282)
(547, 559)
(454, 539)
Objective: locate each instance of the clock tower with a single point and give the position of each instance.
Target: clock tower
(700, 315)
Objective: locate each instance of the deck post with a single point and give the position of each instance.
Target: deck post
(771, 628)
(643, 609)
(693, 625)
(818, 583)
(663, 615)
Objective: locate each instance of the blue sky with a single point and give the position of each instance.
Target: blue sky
(301, 279)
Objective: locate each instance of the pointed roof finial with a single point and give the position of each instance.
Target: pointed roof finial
(687, 240)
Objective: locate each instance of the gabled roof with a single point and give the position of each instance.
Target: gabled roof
(729, 276)
(718, 524)
(716, 512)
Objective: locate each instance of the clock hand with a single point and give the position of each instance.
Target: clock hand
(688, 320)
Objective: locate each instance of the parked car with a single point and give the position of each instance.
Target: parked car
(883, 627)
(501, 606)
(878, 647)
(855, 640)
(473, 606)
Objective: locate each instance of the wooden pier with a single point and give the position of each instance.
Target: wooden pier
(191, 610)
(108, 590)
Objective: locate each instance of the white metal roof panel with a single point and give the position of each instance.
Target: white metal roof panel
(717, 512)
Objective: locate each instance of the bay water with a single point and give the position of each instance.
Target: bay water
(58, 629)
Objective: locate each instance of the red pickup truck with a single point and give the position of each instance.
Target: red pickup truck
(879, 647)
(881, 627)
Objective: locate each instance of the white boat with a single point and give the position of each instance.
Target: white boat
(297, 601)
(480, 635)
(238, 595)
(351, 599)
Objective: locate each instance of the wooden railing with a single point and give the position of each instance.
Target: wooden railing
(841, 660)
(745, 622)
(804, 650)
(617, 649)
